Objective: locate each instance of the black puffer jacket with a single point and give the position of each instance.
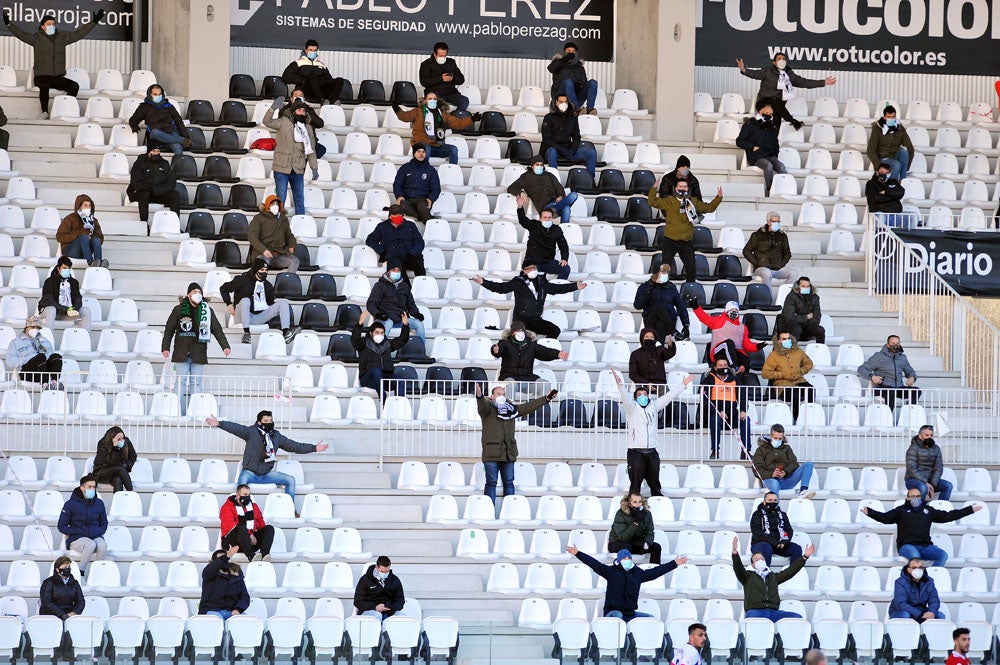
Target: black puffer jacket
(798, 305)
(924, 462)
(112, 457)
(58, 598)
(50, 293)
(646, 365)
(884, 196)
(370, 592)
(760, 134)
(528, 305)
(565, 67)
(151, 175)
(162, 115)
(389, 299)
(372, 355)
(561, 130)
(222, 591)
(517, 361)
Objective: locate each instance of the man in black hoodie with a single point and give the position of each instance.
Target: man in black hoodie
(913, 520)
(561, 136)
(885, 194)
(391, 298)
(375, 353)
(544, 237)
(530, 289)
(253, 296)
(151, 180)
(61, 299)
(163, 122)
(647, 364)
(379, 592)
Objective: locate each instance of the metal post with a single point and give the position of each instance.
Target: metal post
(138, 23)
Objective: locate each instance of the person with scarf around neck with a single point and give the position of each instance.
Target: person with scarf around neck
(778, 83)
(190, 327)
(313, 76)
(31, 355)
(379, 593)
(114, 460)
(79, 234)
(771, 531)
(61, 299)
(261, 451)
(429, 122)
(680, 212)
(294, 149)
(243, 525)
(60, 594)
(375, 351)
(163, 123)
(889, 143)
(760, 584)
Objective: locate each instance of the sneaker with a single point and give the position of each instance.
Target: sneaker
(743, 454)
(291, 333)
(797, 124)
(45, 115)
(258, 557)
(94, 264)
(805, 493)
(240, 558)
(267, 557)
(246, 338)
(186, 143)
(105, 263)
(713, 455)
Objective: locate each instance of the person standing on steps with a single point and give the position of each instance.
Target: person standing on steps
(191, 326)
(777, 86)
(680, 212)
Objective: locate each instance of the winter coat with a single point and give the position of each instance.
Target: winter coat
(373, 355)
(229, 519)
(642, 422)
(798, 306)
(561, 130)
(256, 447)
(242, 286)
(417, 180)
(50, 50)
(669, 182)
(221, 591)
(150, 175)
(914, 596)
(302, 69)
(189, 347)
(761, 593)
(786, 367)
(50, 293)
(770, 527)
(882, 146)
(767, 458)
(677, 225)
(113, 457)
(714, 389)
(528, 305)
(499, 442)
(267, 232)
(541, 189)
(629, 527)
(58, 597)
(72, 227)
(761, 135)
(517, 361)
(543, 242)
(652, 295)
(431, 76)
(23, 348)
(82, 518)
(913, 525)
(767, 249)
(442, 120)
(884, 196)
(370, 593)
(162, 116)
(289, 154)
(646, 366)
(622, 592)
(717, 322)
(388, 300)
(768, 77)
(567, 67)
(395, 242)
(923, 462)
(894, 368)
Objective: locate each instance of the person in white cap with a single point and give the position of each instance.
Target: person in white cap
(730, 336)
(31, 355)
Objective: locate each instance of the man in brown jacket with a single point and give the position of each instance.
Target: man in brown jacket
(680, 211)
(80, 236)
(428, 123)
(270, 236)
(785, 370)
(890, 144)
(778, 468)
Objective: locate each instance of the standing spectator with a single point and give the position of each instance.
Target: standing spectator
(223, 590)
(151, 180)
(884, 195)
(417, 185)
(60, 594)
(253, 296)
(114, 460)
(4, 134)
(771, 531)
(680, 211)
(625, 579)
(294, 149)
(270, 235)
(778, 466)
(785, 370)
(759, 140)
(561, 136)
(439, 74)
(801, 313)
(429, 123)
(391, 298)
(890, 144)
(499, 417)
(379, 592)
(569, 79)
(913, 520)
(312, 75)
(914, 595)
(399, 238)
(79, 234)
(261, 451)
(296, 100)
(690, 652)
(83, 521)
(518, 349)
(243, 525)
(545, 191)
(544, 237)
(49, 46)
(730, 337)
(632, 528)
(31, 355)
(646, 365)
(682, 171)
(760, 584)
(891, 373)
(778, 83)
(61, 299)
(725, 403)
(530, 289)
(661, 306)
(375, 353)
(960, 656)
(190, 326)
(163, 123)
(768, 253)
(925, 464)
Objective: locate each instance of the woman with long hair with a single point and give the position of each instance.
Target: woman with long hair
(115, 459)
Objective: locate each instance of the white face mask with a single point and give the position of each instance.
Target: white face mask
(781, 64)
(274, 210)
(84, 212)
(50, 30)
(532, 274)
(562, 106)
(500, 400)
(519, 336)
(32, 332)
(917, 573)
(441, 59)
(195, 298)
(760, 565)
(378, 339)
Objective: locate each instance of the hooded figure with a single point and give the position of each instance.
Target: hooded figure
(79, 234)
(632, 529)
(375, 351)
(163, 123)
(223, 589)
(518, 349)
(417, 185)
(801, 313)
(398, 238)
(391, 297)
(624, 578)
(429, 125)
(270, 235)
(661, 305)
(647, 364)
(682, 171)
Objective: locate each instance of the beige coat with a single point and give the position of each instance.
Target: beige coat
(289, 154)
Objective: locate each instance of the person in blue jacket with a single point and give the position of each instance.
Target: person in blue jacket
(417, 186)
(624, 579)
(83, 521)
(60, 595)
(398, 238)
(223, 590)
(915, 596)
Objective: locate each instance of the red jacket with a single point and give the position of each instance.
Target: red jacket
(227, 515)
(716, 321)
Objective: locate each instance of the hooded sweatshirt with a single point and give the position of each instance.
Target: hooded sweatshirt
(371, 592)
(221, 590)
(82, 518)
(517, 359)
(786, 367)
(388, 299)
(641, 422)
(73, 226)
(160, 115)
(646, 365)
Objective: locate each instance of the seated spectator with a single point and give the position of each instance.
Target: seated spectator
(429, 124)
(680, 212)
(569, 79)
(661, 306)
(544, 237)
(777, 86)
(243, 526)
(730, 337)
(771, 531)
(270, 235)
(375, 353)
(60, 594)
(439, 74)
(761, 598)
(417, 186)
(151, 180)
(724, 401)
(768, 253)
(114, 460)
(379, 592)
(297, 99)
(914, 595)
(778, 466)
(252, 296)
(913, 519)
(546, 193)
(624, 578)
(924, 466)
(890, 144)
(891, 373)
(632, 528)
(801, 314)
(647, 363)
(785, 370)
(31, 355)
(759, 140)
(885, 195)
(561, 136)
(79, 234)
(84, 521)
(191, 326)
(682, 171)
(223, 590)
(391, 298)
(399, 238)
(164, 124)
(518, 349)
(530, 289)
(294, 149)
(4, 134)
(61, 299)
(312, 75)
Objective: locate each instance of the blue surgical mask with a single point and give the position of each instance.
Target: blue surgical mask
(90, 493)
(916, 502)
(120, 444)
(50, 30)
(776, 443)
(395, 276)
(432, 104)
(642, 400)
(786, 343)
(538, 170)
(628, 564)
(313, 55)
(65, 273)
(890, 122)
(547, 223)
(775, 226)
(805, 290)
(157, 99)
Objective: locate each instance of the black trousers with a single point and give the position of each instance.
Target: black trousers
(321, 87)
(643, 464)
(171, 199)
(414, 263)
(908, 394)
(808, 330)
(795, 395)
(737, 358)
(46, 83)
(685, 248)
(780, 111)
(41, 369)
(4, 139)
(241, 537)
(662, 320)
(540, 326)
(116, 476)
(638, 547)
(417, 208)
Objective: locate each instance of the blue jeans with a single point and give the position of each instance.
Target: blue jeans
(173, 139)
(459, 101)
(416, 327)
(906, 615)
(943, 488)
(188, 380)
(281, 182)
(900, 220)
(502, 470)
(551, 267)
(587, 155)
(276, 477)
(802, 474)
(87, 248)
(791, 550)
(446, 150)
(773, 615)
(617, 614)
(899, 164)
(222, 614)
(924, 552)
(569, 89)
(562, 207)
(373, 613)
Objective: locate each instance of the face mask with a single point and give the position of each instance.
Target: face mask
(89, 494)
(786, 343)
(84, 212)
(805, 290)
(275, 209)
(261, 276)
(642, 401)
(928, 442)
(776, 443)
(532, 274)
(155, 156)
(500, 400)
(663, 278)
(120, 444)
(562, 106)
(770, 506)
(50, 30)
(432, 104)
(379, 575)
(916, 502)
(64, 572)
(195, 298)
(649, 343)
(546, 223)
(683, 171)
(157, 99)
(775, 226)
(298, 100)
(267, 427)
(65, 273)
(313, 55)
(883, 176)
(890, 122)
(441, 59)
(395, 276)
(765, 117)
(378, 339)
(733, 315)
(245, 500)
(299, 117)
(538, 170)
(895, 348)
(781, 64)
(917, 573)
(519, 336)
(681, 193)
(32, 332)
(628, 564)
(722, 372)
(760, 565)
(396, 220)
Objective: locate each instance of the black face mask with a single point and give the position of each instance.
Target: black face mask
(765, 118)
(883, 176)
(64, 572)
(929, 442)
(299, 118)
(245, 500)
(770, 507)
(895, 348)
(267, 428)
(154, 157)
(723, 372)
(649, 343)
(261, 276)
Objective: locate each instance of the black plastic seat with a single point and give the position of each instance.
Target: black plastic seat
(404, 380)
(340, 348)
(182, 193)
(470, 130)
(403, 92)
(242, 86)
(201, 112)
(702, 271)
(607, 414)
(611, 181)
(723, 293)
(580, 181)
(315, 316)
(323, 286)
(234, 113)
(573, 413)
(347, 316)
(225, 139)
(273, 86)
(371, 91)
(198, 142)
(243, 196)
(347, 92)
(637, 209)
(234, 226)
(703, 240)
(520, 151)
(468, 379)
(756, 324)
(657, 260)
(414, 352)
(642, 180)
(305, 262)
(494, 123)
(693, 290)
(439, 380)
(540, 418)
(606, 209)
(201, 224)
(209, 195)
(227, 254)
(218, 169)
(729, 266)
(185, 168)
(634, 237)
(658, 235)
(287, 285)
(759, 296)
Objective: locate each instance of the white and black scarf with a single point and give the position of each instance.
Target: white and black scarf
(785, 85)
(765, 521)
(269, 449)
(506, 411)
(241, 512)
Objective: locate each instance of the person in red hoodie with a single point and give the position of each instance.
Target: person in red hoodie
(730, 337)
(243, 526)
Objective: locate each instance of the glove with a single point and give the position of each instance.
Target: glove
(98, 15)
(683, 335)
(277, 103)
(693, 303)
(476, 117)
(6, 17)
(761, 345)
(418, 316)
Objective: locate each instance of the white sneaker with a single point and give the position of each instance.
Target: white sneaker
(45, 116)
(240, 558)
(258, 557)
(806, 493)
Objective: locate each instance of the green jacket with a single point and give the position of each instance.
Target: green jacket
(267, 232)
(499, 444)
(626, 529)
(50, 51)
(678, 226)
(761, 593)
(767, 249)
(767, 458)
(886, 145)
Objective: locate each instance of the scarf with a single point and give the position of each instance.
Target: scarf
(766, 522)
(88, 222)
(785, 85)
(432, 124)
(65, 293)
(506, 411)
(269, 450)
(259, 298)
(688, 209)
(531, 286)
(302, 136)
(886, 129)
(204, 331)
(241, 512)
(37, 343)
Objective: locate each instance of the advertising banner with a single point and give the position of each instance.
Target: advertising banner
(73, 14)
(969, 262)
